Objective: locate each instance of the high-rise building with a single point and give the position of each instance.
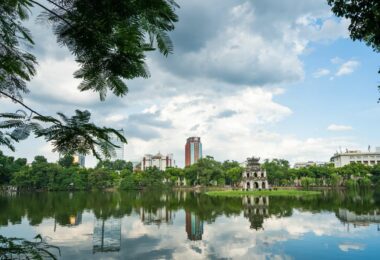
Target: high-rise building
(159, 161)
(119, 152)
(193, 150)
(80, 159)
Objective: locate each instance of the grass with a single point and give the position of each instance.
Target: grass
(239, 193)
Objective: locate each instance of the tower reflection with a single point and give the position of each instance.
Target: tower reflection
(194, 226)
(255, 210)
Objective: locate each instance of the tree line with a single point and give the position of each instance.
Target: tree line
(67, 175)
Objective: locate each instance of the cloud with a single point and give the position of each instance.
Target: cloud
(320, 73)
(347, 68)
(231, 60)
(226, 113)
(337, 128)
(345, 247)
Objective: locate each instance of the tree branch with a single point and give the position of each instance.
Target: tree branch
(50, 11)
(57, 5)
(22, 104)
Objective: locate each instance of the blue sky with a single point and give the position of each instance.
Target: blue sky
(275, 79)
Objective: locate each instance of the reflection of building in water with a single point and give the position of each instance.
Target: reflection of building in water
(194, 226)
(75, 220)
(350, 217)
(107, 235)
(256, 209)
(68, 221)
(254, 177)
(157, 217)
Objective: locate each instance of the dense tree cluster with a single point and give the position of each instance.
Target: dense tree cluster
(352, 175)
(66, 175)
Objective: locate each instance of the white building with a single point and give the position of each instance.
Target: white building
(159, 161)
(299, 165)
(367, 158)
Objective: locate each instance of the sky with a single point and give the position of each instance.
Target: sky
(274, 79)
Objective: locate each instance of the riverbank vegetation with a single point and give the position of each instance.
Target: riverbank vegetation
(207, 172)
(355, 175)
(271, 193)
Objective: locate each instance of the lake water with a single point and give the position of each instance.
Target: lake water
(185, 225)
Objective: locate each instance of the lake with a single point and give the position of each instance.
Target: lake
(187, 225)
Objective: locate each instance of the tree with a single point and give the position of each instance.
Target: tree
(109, 40)
(364, 16)
(66, 161)
(234, 175)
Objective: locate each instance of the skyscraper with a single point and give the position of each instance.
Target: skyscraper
(193, 150)
(79, 159)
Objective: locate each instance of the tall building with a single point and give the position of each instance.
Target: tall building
(80, 159)
(119, 152)
(159, 161)
(194, 226)
(367, 158)
(193, 150)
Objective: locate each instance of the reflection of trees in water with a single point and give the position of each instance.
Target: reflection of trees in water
(62, 206)
(156, 217)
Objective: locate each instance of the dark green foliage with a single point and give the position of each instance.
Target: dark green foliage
(68, 135)
(109, 40)
(16, 64)
(66, 161)
(9, 166)
(116, 165)
(18, 248)
(206, 171)
(364, 16)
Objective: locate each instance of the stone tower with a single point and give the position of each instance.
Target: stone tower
(254, 177)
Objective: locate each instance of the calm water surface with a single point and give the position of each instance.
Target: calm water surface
(184, 225)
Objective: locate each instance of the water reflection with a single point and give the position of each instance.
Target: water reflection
(255, 210)
(194, 226)
(184, 224)
(107, 235)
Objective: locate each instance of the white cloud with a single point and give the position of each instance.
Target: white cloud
(336, 60)
(320, 73)
(335, 127)
(347, 68)
(345, 247)
(114, 118)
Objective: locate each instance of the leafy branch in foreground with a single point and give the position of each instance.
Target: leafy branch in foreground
(67, 135)
(364, 17)
(18, 248)
(109, 40)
